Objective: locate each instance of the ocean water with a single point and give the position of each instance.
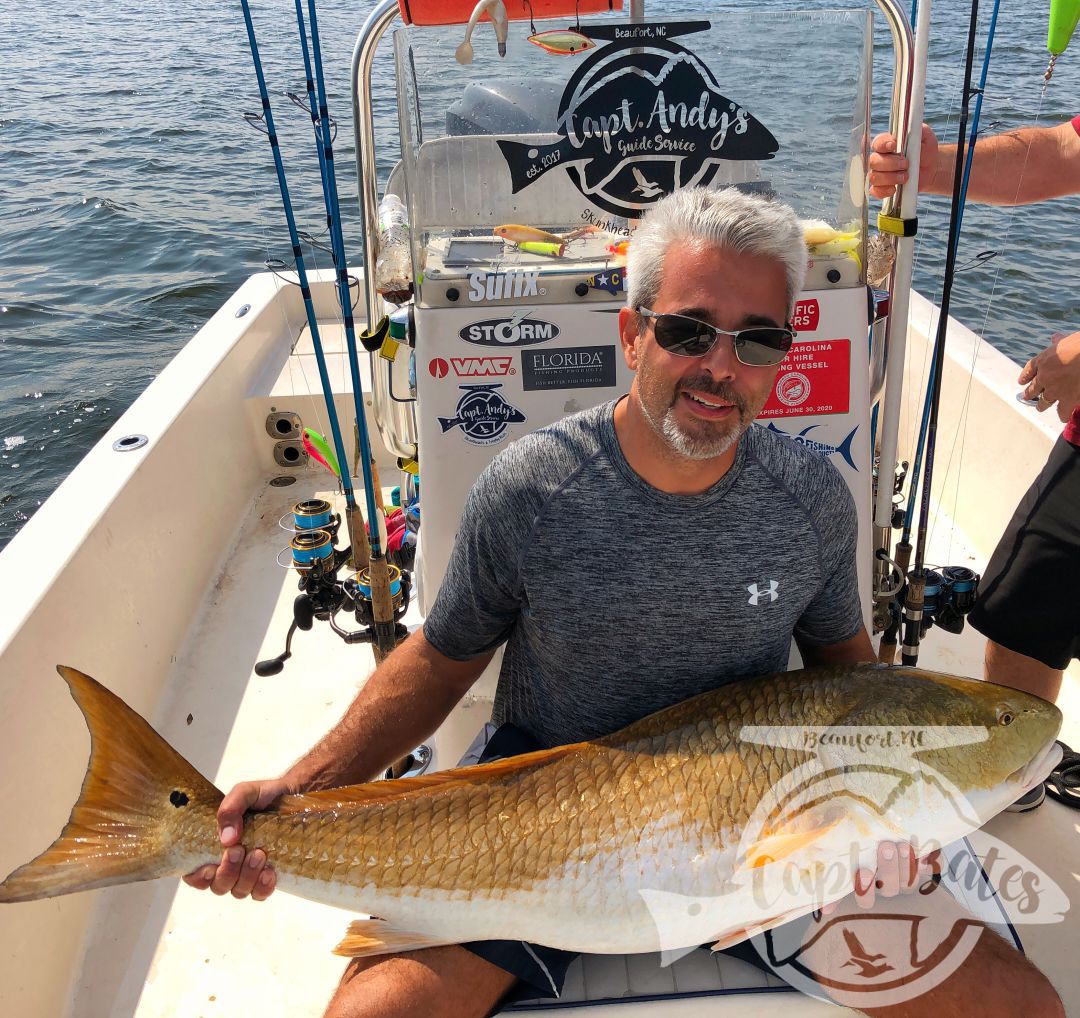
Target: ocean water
(134, 198)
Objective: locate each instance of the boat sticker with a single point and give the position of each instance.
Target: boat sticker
(483, 414)
(517, 330)
(805, 316)
(640, 118)
(574, 367)
(813, 379)
(617, 228)
(612, 281)
(471, 367)
(505, 285)
(821, 448)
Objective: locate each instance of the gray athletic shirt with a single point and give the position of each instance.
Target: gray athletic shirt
(616, 599)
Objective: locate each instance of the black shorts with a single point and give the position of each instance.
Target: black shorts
(1029, 597)
(541, 970)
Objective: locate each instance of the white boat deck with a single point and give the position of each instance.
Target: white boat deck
(162, 949)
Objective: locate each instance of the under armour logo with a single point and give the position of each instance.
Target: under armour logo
(756, 595)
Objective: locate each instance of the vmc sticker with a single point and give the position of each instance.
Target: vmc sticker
(815, 378)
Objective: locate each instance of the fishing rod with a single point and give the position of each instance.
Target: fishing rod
(902, 555)
(380, 583)
(267, 122)
(312, 547)
(914, 600)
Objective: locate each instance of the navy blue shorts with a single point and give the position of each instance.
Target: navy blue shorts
(542, 970)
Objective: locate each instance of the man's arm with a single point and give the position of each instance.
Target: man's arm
(853, 651)
(405, 700)
(1019, 167)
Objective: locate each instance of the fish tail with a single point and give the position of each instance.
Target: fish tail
(142, 809)
(528, 162)
(845, 448)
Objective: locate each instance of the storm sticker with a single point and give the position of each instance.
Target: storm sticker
(518, 330)
(641, 118)
(483, 414)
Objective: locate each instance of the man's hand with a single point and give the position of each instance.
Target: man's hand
(899, 871)
(241, 873)
(888, 168)
(1053, 376)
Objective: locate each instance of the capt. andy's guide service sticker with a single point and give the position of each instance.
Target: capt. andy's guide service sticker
(640, 118)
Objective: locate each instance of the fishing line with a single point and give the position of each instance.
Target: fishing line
(953, 249)
(324, 134)
(377, 573)
(267, 121)
(961, 437)
(913, 605)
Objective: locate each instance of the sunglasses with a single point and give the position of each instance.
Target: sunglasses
(760, 346)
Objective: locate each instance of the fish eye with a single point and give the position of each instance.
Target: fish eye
(1005, 716)
(178, 798)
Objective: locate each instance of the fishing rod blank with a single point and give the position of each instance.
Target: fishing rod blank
(913, 604)
(378, 571)
(973, 137)
(298, 256)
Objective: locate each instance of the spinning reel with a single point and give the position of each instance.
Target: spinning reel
(323, 596)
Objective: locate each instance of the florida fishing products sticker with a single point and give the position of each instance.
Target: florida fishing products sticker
(575, 367)
(640, 118)
(814, 378)
(517, 330)
(482, 414)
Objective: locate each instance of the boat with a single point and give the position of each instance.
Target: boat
(201, 552)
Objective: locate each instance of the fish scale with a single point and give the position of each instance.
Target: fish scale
(595, 846)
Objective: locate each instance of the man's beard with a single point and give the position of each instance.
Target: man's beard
(708, 439)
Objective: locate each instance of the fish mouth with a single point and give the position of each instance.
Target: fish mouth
(1038, 770)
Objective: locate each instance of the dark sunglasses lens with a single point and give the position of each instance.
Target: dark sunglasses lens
(762, 346)
(683, 336)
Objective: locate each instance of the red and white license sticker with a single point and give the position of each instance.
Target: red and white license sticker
(815, 378)
(805, 316)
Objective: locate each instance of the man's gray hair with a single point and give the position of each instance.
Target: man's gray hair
(729, 218)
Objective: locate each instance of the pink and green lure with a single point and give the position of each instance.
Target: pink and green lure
(319, 449)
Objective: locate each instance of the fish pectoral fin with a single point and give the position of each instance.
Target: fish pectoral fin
(779, 846)
(737, 936)
(399, 788)
(367, 938)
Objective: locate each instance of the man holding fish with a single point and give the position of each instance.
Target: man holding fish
(698, 543)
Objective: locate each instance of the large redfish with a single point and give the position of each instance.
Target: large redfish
(760, 797)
